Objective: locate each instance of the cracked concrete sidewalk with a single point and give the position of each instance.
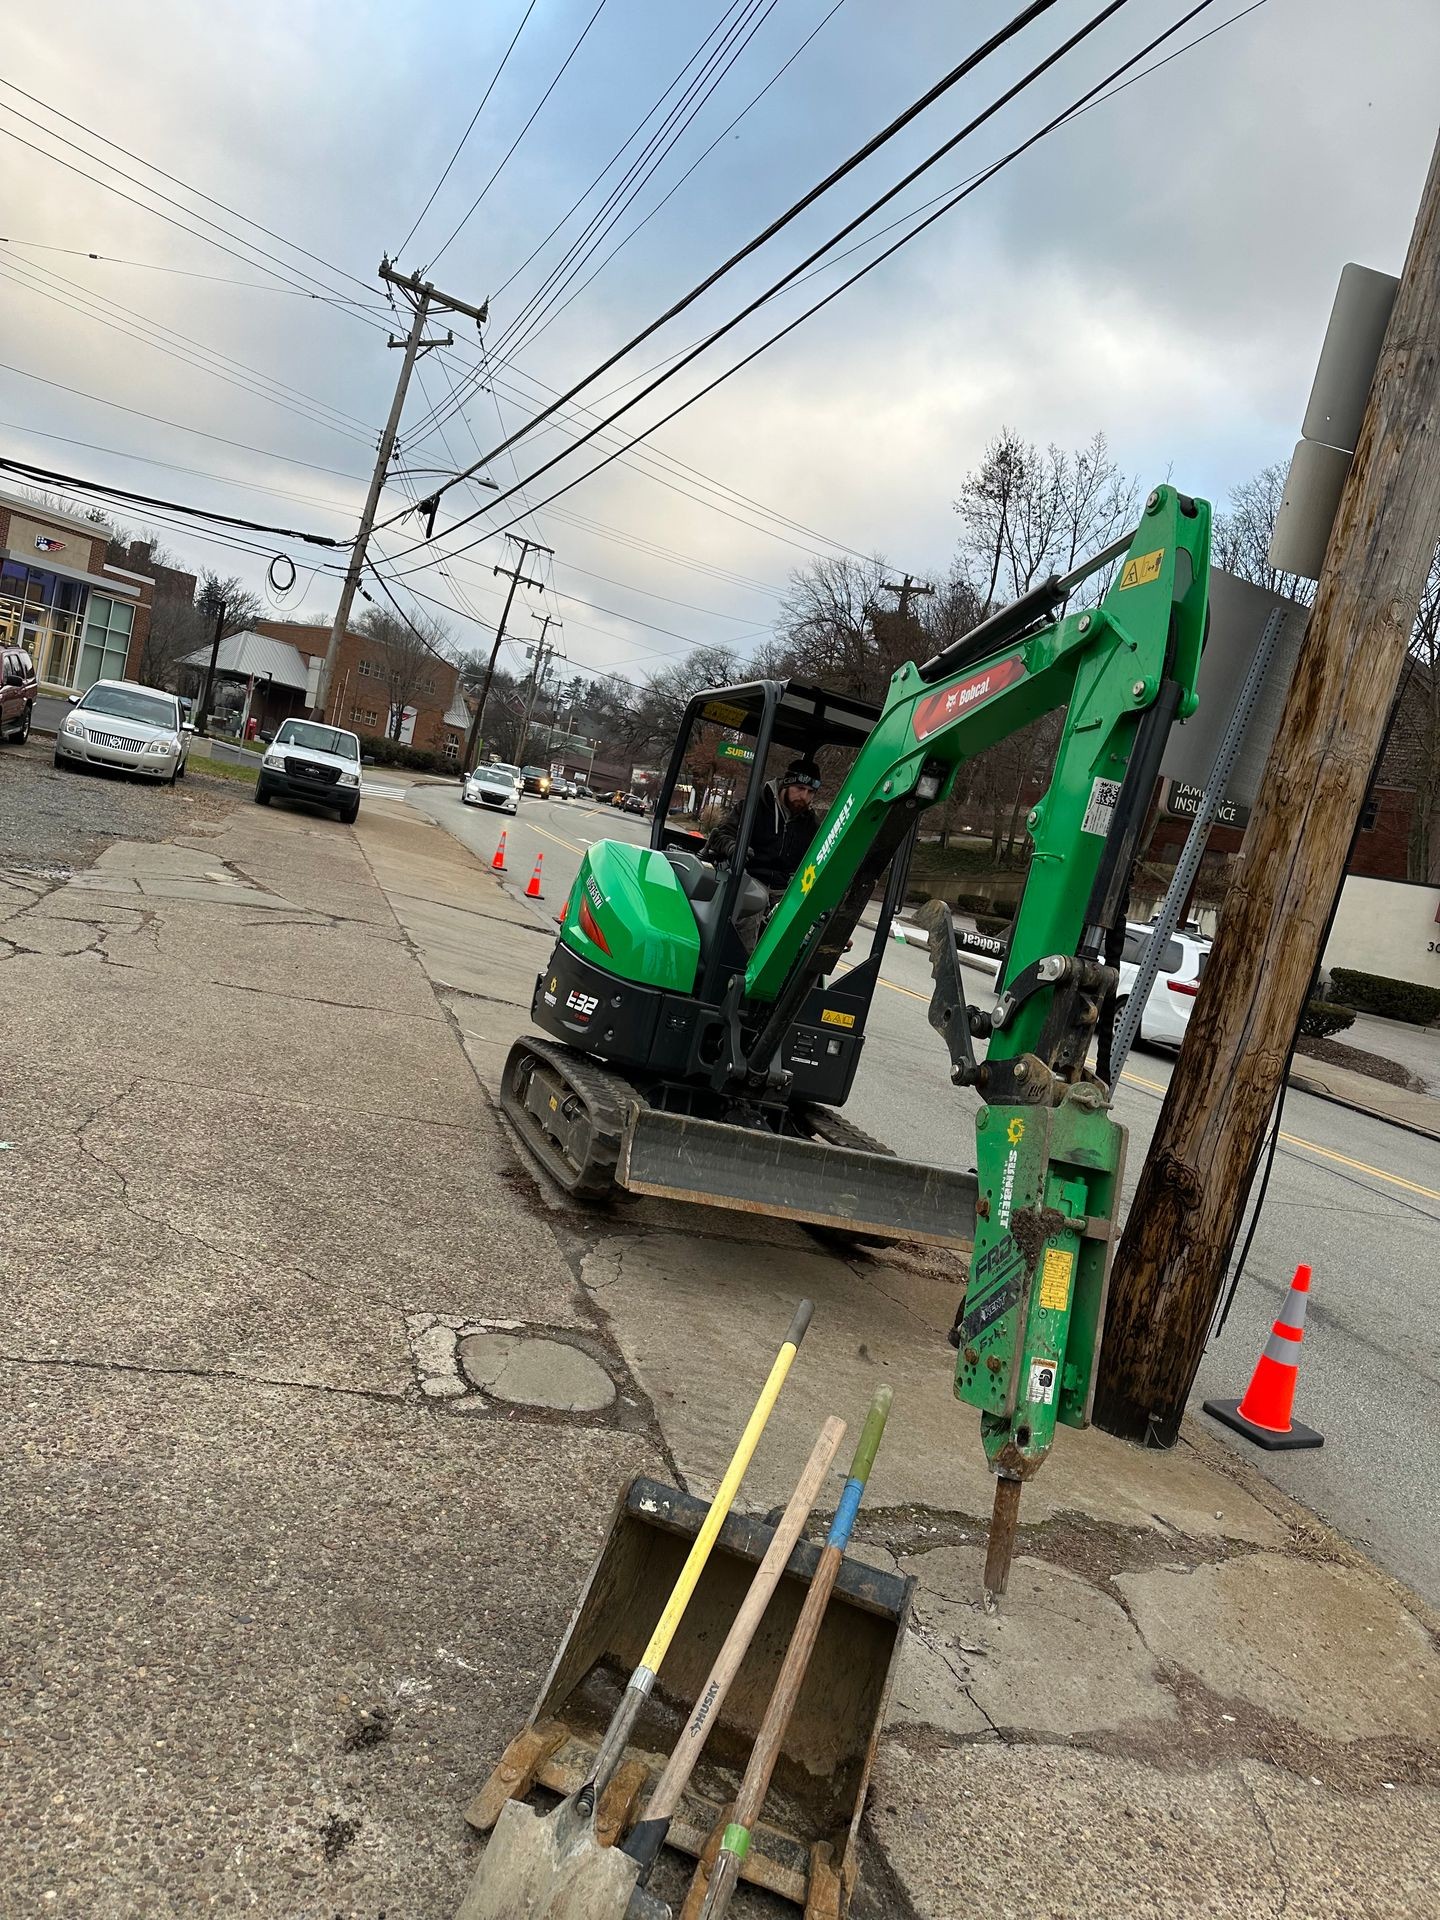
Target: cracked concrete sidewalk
(255, 1146)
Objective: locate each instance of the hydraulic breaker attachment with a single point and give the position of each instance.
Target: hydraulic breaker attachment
(1028, 1332)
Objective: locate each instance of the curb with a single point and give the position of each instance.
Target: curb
(1318, 1092)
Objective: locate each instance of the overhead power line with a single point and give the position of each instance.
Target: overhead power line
(359, 310)
(522, 133)
(468, 131)
(695, 164)
(73, 483)
(186, 273)
(581, 198)
(952, 79)
(638, 175)
(953, 201)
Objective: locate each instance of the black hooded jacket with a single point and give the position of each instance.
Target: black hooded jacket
(778, 844)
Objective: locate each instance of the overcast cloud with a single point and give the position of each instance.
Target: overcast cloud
(1161, 269)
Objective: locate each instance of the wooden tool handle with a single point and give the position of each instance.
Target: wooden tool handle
(724, 1498)
(666, 1797)
(773, 1728)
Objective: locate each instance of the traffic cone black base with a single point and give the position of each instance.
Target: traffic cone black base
(1228, 1413)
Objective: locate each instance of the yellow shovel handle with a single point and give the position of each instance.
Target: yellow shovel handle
(695, 1563)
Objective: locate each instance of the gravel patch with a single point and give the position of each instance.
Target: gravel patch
(1335, 1053)
(52, 820)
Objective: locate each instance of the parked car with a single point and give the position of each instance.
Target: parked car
(562, 789)
(18, 688)
(632, 803)
(535, 780)
(119, 723)
(495, 786)
(1167, 1011)
(308, 761)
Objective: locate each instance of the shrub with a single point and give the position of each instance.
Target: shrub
(992, 923)
(1321, 1018)
(392, 753)
(1391, 999)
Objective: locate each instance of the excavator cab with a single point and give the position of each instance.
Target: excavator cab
(747, 733)
(654, 939)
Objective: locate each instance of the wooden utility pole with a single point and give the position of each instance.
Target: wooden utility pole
(424, 300)
(907, 589)
(516, 576)
(543, 656)
(1187, 1210)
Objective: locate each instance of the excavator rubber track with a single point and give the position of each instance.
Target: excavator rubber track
(569, 1111)
(823, 1123)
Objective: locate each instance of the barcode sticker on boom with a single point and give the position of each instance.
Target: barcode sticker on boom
(1101, 810)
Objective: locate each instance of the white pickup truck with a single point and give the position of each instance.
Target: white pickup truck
(308, 761)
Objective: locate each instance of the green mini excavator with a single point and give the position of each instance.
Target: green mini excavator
(677, 1062)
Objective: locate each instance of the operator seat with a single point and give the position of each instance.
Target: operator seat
(700, 883)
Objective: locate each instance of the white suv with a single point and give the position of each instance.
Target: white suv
(1167, 1011)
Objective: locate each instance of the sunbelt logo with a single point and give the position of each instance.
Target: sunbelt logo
(827, 845)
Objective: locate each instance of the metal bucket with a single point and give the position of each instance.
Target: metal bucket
(804, 1847)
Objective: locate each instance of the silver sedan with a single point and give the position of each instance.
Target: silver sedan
(119, 723)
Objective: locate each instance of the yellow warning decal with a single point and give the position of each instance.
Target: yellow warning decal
(554, 1104)
(832, 1017)
(1015, 1132)
(1055, 1279)
(1144, 568)
(722, 711)
(807, 878)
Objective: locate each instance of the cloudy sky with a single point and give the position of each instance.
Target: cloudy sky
(1161, 268)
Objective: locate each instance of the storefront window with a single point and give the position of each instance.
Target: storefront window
(107, 640)
(41, 612)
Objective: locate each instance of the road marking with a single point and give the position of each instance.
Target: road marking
(1290, 1139)
(1325, 1153)
(568, 844)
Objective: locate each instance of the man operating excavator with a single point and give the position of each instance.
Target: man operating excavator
(785, 825)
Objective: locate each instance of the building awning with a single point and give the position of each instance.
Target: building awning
(39, 564)
(244, 654)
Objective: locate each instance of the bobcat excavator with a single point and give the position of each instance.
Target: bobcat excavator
(678, 1063)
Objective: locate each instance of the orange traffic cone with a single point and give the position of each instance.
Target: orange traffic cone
(532, 886)
(1264, 1414)
(498, 863)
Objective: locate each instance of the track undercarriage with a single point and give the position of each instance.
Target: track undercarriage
(594, 1131)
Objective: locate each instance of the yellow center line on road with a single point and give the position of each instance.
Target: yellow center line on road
(1290, 1139)
(546, 834)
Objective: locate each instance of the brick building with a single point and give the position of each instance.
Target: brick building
(360, 689)
(80, 617)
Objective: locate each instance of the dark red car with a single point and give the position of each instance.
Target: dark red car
(18, 688)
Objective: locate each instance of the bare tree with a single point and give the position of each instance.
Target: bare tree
(242, 607)
(1028, 511)
(408, 656)
(177, 627)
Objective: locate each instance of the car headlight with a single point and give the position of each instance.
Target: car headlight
(349, 779)
(272, 760)
(162, 746)
(73, 727)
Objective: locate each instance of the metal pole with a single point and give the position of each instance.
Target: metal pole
(1191, 854)
(203, 722)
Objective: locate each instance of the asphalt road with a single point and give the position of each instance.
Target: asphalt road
(1355, 1198)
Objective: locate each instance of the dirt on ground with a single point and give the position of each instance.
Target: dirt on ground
(57, 820)
(1335, 1053)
